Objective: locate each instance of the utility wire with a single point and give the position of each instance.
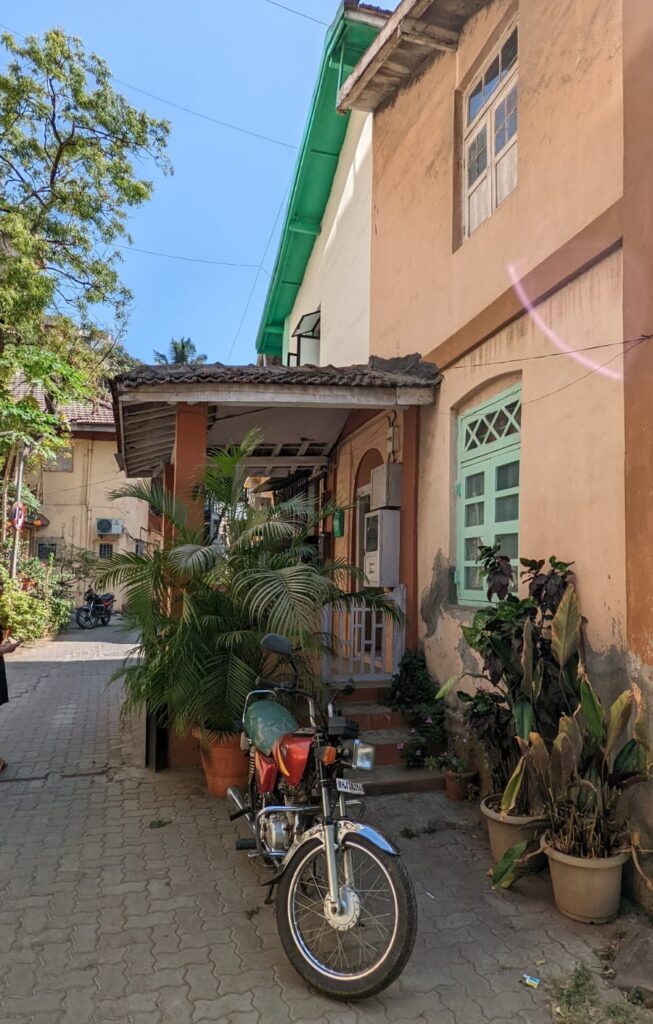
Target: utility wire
(187, 259)
(258, 273)
(205, 117)
(300, 14)
(546, 355)
(185, 109)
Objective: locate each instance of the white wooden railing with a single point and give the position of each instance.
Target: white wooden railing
(366, 644)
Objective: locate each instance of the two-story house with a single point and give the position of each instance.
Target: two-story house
(512, 244)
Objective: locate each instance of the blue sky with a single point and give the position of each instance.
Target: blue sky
(247, 62)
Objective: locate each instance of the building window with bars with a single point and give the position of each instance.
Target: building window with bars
(490, 117)
(46, 548)
(61, 462)
(106, 551)
(489, 447)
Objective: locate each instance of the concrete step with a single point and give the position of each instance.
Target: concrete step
(364, 692)
(374, 716)
(386, 743)
(392, 779)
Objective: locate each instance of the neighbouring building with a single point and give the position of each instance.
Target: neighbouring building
(74, 491)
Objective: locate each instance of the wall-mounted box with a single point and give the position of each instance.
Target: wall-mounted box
(386, 486)
(382, 547)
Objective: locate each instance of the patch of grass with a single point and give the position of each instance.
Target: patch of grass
(574, 998)
(576, 1001)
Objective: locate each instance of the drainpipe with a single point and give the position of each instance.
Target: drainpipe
(13, 565)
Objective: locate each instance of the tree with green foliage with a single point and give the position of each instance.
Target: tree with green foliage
(70, 154)
(181, 352)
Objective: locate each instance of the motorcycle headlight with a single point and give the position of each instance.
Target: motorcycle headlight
(362, 755)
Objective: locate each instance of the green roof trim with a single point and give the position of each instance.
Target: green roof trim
(348, 37)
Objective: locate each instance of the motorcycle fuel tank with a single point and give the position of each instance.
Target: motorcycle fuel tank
(292, 753)
(266, 722)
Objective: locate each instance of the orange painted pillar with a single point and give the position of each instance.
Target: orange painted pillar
(408, 545)
(190, 457)
(168, 485)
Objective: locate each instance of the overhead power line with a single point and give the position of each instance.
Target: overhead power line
(187, 259)
(300, 14)
(205, 117)
(187, 110)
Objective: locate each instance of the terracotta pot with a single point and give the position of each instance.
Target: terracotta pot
(457, 784)
(586, 889)
(223, 761)
(506, 830)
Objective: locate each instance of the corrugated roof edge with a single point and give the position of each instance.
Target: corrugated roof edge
(349, 13)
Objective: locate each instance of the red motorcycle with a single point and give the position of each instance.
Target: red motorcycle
(96, 610)
(345, 905)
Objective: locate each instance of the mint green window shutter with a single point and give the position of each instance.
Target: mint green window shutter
(488, 488)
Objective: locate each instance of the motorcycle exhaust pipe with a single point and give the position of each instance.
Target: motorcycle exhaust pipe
(240, 809)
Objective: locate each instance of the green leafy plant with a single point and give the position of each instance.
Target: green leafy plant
(596, 755)
(202, 606)
(413, 692)
(531, 655)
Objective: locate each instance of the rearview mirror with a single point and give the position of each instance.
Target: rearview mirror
(277, 644)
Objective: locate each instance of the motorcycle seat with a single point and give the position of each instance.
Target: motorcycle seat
(266, 722)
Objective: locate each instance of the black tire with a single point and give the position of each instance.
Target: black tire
(105, 619)
(86, 619)
(374, 978)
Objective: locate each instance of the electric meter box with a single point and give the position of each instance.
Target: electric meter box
(386, 486)
(382, 547)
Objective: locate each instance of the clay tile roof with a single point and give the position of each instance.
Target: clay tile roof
(404, 372)
(76, 414)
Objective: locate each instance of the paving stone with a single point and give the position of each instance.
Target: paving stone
(104, 920)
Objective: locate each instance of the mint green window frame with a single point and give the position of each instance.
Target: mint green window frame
(489, 451)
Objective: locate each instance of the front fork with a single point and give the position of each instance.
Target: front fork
(330, 845)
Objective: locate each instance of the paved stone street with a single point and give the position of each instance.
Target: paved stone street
(122, 898)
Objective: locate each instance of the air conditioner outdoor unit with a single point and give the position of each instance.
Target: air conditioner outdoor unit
(109, 527)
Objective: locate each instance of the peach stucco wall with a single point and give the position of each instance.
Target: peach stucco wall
(572, 447)
(570, 170)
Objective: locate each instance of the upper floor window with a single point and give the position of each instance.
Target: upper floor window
(61, 462)
(305, 341)
(105, 551)
(488, 488)
(490, 135)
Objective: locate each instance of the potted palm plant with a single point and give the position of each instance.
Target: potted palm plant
(202, 604)
(595, 756)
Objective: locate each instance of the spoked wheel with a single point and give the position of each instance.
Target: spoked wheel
(363, 948)
(86, 619)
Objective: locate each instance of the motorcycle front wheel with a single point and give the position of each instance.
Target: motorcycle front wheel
(365, 948)
(86, 619)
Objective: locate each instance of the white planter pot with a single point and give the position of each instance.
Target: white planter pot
(586, 889)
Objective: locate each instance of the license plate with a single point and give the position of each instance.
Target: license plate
(347, 786)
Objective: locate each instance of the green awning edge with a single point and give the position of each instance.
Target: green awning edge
(347, 38)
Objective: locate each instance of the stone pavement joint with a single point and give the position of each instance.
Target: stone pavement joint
(103, 919)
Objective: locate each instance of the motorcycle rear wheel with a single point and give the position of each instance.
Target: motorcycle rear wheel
(362, 955)
(86, 619)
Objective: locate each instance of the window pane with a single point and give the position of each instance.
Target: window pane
(506, 178)
(509, 53)
(509, 544)
(472, 544)
(106, 551)
(372, 533)
(475, 513)
(475, 101)
(473, 579)
(475, 485)
(477, 156)
(507, 476)
(491, 79)
(506, 510)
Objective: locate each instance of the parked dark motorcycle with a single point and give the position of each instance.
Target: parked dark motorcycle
(345, 905)
(96, 610)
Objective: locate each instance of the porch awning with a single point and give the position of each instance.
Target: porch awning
(299, 411)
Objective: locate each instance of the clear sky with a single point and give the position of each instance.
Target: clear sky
(248, 62)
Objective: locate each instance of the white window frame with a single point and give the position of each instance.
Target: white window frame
(485, 118)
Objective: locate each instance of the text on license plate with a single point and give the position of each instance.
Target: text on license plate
(347, 786)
